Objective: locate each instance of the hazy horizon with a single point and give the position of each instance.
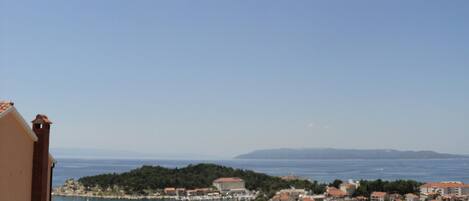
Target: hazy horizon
(228, 77)
(84, 153)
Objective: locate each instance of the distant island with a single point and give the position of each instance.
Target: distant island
(330, 153)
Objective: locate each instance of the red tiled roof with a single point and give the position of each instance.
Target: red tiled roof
(378, 194)
(4, 105)
(443, 185)
(334, 192)
(227, 179)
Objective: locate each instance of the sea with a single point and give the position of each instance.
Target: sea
(424, 170)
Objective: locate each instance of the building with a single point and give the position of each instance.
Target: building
(203, 191)
(411, 197)
(335, 193)
(445, 188)
(25, 163)
(284, 197)
(227, 184)
(395, 197)
(180, 191)
(319, 197)
(191, 192)
(360, 198)
(294, 191)
(379, 196)
(348, 188)
(170, 191)
(291, 194)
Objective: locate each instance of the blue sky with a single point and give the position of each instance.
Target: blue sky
(227, 77)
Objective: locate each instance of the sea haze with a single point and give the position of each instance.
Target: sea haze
(87, 153)
(330, 153)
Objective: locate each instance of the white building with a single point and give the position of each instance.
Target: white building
(227, 184)
(293, 192)
(411, 197)
(349, 188)
(379, 196)
(445, 188)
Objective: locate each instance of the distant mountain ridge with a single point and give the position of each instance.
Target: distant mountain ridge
(331, 153)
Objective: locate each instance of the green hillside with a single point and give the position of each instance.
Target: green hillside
(193, 176)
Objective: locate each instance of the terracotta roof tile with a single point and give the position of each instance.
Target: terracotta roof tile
(443, 185)
(334, 192)
(4, 105)
(378, 194)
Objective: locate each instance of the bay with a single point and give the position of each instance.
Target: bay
(424, 170)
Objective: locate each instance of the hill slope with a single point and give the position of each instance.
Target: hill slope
(139, 180)
(329, 153)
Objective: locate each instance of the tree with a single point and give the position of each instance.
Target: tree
(336, 183)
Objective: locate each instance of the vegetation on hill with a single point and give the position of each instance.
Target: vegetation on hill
(399, 186)
(140, 180)
(152, 178)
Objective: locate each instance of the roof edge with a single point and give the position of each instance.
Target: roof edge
(5, 112)
(22, 121)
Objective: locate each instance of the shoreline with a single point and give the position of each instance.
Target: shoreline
(148, 197)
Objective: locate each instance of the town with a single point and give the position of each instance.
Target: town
(226, 188)
(233, 188)
(437, 191)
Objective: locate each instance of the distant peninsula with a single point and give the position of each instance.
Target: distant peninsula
(156, 182)
(331, 153)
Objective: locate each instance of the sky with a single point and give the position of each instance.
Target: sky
(222, 78)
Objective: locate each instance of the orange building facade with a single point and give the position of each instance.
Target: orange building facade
(25, 163)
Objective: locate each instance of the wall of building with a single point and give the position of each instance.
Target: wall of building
(51, 161)
(16, 160)
(225, 186)
(424, 190)
(465, 190)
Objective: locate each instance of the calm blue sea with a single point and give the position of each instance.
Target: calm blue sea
(321, 170)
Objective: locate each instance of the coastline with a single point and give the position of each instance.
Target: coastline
(147, 197)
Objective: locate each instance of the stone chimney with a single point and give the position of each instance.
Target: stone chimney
(39, 191)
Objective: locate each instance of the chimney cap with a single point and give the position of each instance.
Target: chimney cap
(41, 119)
